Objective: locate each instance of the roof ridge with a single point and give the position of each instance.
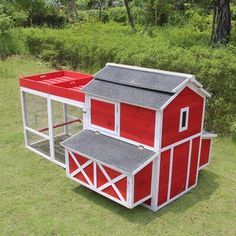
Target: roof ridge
(136, 86)
(145, 69)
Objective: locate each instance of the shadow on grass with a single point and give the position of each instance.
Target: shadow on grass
(207, 185)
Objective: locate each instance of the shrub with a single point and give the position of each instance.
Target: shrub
(93, 45)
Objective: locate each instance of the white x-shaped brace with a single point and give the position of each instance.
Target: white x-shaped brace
(112, 182)
(109, 183)
(81, 168)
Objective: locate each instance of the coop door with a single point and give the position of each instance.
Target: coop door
(67, 121)
(36, 123)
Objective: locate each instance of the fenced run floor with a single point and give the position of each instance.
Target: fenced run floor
(43, 147)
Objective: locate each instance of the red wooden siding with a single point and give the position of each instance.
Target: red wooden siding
(103, 114)
(102, 180)
(194, 162)
(205, 151)
(179, 169)
(88, 170)
(164, 177)
(72, 165)
(137, 124)
(171, 117)
(142, 183)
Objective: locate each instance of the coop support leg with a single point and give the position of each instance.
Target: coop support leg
(50, 128)
(65, 118)
(24, 116)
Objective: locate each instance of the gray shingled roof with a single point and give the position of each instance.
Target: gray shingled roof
(121, 155)
(127, 94)
(135, 86)
(143, 79)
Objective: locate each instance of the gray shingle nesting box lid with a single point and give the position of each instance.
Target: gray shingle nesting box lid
(135, 85)
(113, 152)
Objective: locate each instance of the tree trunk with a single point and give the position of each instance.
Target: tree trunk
(130, 18)
(223, 22)
(213, 21)
(100, 11)
(109, 3)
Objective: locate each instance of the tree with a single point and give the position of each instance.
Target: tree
(221, 22)
(130, 18)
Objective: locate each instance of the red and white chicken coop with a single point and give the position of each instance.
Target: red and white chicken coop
(134, 135)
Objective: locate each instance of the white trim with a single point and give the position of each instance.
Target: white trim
(157, 130)
(122, 139)
(67, 101)
(141, 201)
(95, 174)
(189, 163)
(177, 94)
(194, 81)
(116, 119)
(67, 161)
(45, 156)
(36, 133)
(112, 183)
(180, 142)
(185, 127)
(97, 161)
(149, 70)
(155, 181)
(81, 168)
(34, 92)
(93, 187)
(38, 152)
(208, 136)
(24, 115)
(180, 86)
(130, 190)
(121, 101)
(50, 128)
(145, 163)
(65, 117)
(209, 158)
(53, 97)
(174, 198)
(170, 172)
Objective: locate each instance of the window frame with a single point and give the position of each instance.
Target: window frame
(185, 127)
(116, 121)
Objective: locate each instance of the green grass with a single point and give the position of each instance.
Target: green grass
(36, 197)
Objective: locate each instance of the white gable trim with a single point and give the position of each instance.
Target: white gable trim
(189, 85)
(149, 70)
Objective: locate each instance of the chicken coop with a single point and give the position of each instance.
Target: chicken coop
(134, 135)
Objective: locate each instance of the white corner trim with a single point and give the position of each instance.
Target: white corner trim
(185, 127)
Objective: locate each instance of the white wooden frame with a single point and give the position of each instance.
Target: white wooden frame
(182, 111)
(117, 113)
(50, 137)
(110, 133)
(129, 202)
(154, 206)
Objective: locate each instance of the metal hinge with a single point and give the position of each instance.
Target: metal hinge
(97, 132)
(140, 147)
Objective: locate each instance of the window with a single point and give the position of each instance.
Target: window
(183, 121)
(103, 115)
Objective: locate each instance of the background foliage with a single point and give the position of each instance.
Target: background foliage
(171, 35)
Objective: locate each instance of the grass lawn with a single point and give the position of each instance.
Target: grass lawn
(36, 197)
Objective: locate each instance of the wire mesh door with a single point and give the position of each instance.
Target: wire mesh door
(67, 121)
